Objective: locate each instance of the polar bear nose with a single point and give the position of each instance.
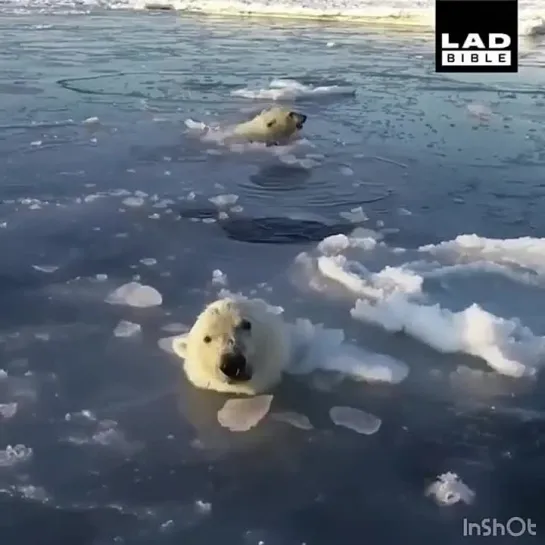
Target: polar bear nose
(299, 119)
(234, 366)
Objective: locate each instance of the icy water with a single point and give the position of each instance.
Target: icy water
(115, 170)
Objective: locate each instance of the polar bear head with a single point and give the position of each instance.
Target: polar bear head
(283, 121)
(235, 346)
(272, 125)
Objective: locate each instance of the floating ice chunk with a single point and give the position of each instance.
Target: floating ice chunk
(296, 420)
(166, 344)
(14, 455)
(224, 200)
(308, 163)
(195, 125)
(3, 374)
(135, 294)
(346, 171)
(175, 327)
(505, 345)
(203, 507)
(8, 410)
(240, 415)
(525, 252)
(91, 198)
(288, 89)
(91, 121)
(120, 192)
(84, 416)
(36, 143)
(219, 278)
(335, 244)
(355, 420)
(481, 111)
(448, 489)
(45, 268)
(127, 329)
(148, 261)
(355, 215)
(319, 348)
(133, 201)
(101, 277)
(31, 492)
(289, 159)
(369, 366)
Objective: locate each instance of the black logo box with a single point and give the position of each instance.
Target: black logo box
(460, 17)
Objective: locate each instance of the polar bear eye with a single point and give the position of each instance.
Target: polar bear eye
(271, 123)
(245, 325)
(207, 339)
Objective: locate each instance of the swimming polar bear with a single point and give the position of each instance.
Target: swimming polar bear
(236, 346)
(272, 126)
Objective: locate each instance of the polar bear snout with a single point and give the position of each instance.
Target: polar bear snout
(299, 119)
(235, 367)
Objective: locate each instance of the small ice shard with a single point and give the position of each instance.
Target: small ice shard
(166, 344)
(355, 420)
(346, 171)
(45, 268)
(219, 278)
(31, 492)
(13, 455)
(175, 327)
(243, 414)
(481, 111)
(448, 489)
(8, 410)
(84, 415)
(91, 121)
(296, 420)
(133, 201)
(135, 294)
(224, 200)
(90, 198)
(289, 159)
(127, 329)
(355, 215)
(196, 125)
(148, 261)
(203, 507)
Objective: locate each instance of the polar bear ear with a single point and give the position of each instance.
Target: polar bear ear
(179, 345)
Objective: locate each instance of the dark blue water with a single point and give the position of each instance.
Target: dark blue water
(93, 113)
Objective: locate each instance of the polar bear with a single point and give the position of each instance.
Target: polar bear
(272, 126)
(236, 346)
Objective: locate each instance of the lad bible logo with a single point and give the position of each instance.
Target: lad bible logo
(476, 36)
